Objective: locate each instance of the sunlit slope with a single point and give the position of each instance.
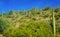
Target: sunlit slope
(30, 23)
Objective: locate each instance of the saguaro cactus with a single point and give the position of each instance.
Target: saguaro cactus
(2, 14)
(53, 22)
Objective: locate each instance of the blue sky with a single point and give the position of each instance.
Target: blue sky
(6, 5)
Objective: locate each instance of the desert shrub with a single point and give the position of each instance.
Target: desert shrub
(56, 10)
(31, 29)
(34, 11)
(3, 25)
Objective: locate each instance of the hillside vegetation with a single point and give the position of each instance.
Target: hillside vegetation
(31, 23)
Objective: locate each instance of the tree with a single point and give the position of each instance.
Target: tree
(46, 8)
(11, 12)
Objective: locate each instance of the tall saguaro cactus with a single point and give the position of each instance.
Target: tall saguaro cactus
(2, 14)
(53, 22)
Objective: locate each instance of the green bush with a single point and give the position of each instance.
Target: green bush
(3, 25)
(31, 29)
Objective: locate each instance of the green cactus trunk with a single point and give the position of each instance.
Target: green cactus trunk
(53, 22)
(2, 14)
